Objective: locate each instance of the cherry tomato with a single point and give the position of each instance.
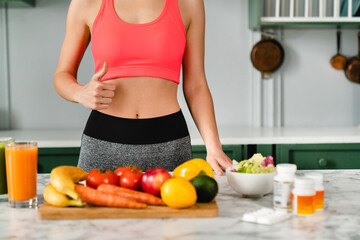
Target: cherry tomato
(131, 179)
(99, 176)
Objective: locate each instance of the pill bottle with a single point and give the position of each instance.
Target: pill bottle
(303, 196)
(283, 184)
(319, 189)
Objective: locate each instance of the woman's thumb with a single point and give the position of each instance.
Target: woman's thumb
(100, 74)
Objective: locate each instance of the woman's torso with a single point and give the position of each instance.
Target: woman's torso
(140, 97)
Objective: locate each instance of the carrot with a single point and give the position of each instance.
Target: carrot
(128, 193)
(95, 197)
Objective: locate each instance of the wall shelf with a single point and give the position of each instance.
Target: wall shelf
(304, 14)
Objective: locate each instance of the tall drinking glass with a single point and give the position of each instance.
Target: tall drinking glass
(21, 170)
(3, 187)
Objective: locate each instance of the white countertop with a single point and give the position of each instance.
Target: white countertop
(339, 220)
(228, 135)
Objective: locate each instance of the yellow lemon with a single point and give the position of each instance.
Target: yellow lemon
(178, 193)
(187, 170)
(203, 165)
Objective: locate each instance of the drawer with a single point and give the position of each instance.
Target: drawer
(320, 156)
(49, 158)
(232, 151)
(264, 149)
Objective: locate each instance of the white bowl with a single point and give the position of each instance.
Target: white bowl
(251, 184)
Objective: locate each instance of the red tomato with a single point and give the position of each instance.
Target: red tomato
(120, 171)
(99, 176)
(131, 179)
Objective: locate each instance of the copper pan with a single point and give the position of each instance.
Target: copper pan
(338, 61)
(352, 69)
(267, 56)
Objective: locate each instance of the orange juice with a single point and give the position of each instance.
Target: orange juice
(21, 170)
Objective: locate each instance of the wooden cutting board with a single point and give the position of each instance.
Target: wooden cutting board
(48, 212)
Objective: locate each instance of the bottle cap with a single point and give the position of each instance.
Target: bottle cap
(317, 177)
(304, 182)
(286, 168)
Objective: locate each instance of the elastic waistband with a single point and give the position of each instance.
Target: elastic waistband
(136, 131)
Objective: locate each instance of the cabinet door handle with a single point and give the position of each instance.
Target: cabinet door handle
(322, 162)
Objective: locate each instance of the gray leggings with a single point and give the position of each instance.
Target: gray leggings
(102, 154)
(110, 142)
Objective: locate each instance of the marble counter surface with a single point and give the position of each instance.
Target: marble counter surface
(228, 135)
(339, 220)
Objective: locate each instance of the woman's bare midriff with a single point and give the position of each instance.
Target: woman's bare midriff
(143, 97)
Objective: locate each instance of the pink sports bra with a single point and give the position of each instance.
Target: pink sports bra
(153, 49)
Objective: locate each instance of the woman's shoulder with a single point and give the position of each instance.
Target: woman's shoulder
(85, 9)
(192, 8)
(192, 5)
(81, 5)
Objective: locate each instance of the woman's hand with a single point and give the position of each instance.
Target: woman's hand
(218, 160)
(96, 95)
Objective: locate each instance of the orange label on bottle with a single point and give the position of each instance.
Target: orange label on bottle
(305, 205)
(319, 200)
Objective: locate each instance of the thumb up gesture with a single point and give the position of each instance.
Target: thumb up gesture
(96, 94)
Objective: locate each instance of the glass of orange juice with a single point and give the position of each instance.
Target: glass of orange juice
(21, 170)
(3, 186)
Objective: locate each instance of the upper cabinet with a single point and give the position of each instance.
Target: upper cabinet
(303, 13)
(17, 3)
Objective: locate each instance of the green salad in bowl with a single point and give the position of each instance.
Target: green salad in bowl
(256, 164)
(252, 177)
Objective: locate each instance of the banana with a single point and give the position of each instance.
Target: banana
(55, 198)
(63, 179)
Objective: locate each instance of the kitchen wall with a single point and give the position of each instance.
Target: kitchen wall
(4, 105)
(306, 92)
(314, 92)
(35, 38)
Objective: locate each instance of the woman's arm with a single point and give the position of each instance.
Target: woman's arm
(95, 94)
(196, 90)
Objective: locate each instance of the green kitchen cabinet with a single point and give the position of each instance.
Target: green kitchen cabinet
(49, 158)
(305, 156)
(264, 149)
(236, 152)
(320, 156)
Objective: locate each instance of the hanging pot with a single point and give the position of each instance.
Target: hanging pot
(338, 61)
(352, 70)
(267, 56)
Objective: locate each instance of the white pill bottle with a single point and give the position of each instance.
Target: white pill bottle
(303, 197)
(283, 185)
(319, 188)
